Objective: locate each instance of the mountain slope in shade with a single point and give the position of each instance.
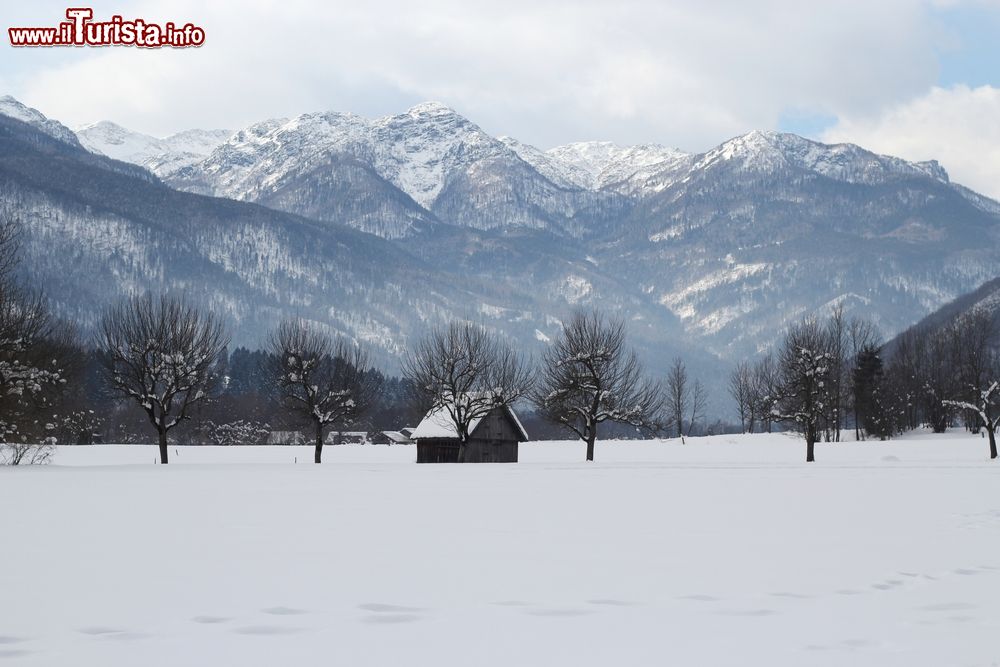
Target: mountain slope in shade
(986, 298)
(96, 229)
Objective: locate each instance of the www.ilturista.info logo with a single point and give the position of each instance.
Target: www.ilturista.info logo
(82, 30)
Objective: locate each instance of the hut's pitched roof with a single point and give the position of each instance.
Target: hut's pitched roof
(438, 424)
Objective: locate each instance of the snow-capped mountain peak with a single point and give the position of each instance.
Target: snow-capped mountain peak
(430, 108)
(625, 168)
(415, 150)
(115, 141)
(14, 109)
(161, 156)
(561, 172)
(769, 151)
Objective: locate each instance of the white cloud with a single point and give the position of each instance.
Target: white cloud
(686, 73)
(958, 126)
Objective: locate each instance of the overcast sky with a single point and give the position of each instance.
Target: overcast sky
(907, 77)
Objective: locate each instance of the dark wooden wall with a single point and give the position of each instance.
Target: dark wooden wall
(495, 440)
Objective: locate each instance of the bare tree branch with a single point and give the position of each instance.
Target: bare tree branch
(467, 372)
(328, 381)
(589, 375)
(161, 353)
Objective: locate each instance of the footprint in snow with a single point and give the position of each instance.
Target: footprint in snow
(888, 584)
(99, 631)
(14, 652)
(208, 620)
(284, 611)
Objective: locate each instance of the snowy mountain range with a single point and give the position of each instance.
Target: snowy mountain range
(378, 227)
(161, 156)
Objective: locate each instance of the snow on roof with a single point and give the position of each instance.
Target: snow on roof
(396, 436)
(438, 424)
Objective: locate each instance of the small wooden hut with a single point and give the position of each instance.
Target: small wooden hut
(389, 438)
(493, 438)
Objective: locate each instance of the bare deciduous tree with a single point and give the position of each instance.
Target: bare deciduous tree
(987, 407)
(741, 389)
(25, 453)
(590, 375)
(766, 382)
(327, 380)
(678, 396)
(161, 353)
(699, 399)
(976, 366)
(803, 395)
(465, 371)
(837, 347)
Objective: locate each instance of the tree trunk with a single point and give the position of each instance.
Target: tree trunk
(461, 451)
(590, 446)
(993, 442)
(810, 444)
(318, 458)
(163, 445)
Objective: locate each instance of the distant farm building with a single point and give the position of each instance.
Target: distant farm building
(285, 438)
(346, 437)
(389, 438)
(492, 439)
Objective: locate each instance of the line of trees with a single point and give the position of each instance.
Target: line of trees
(589, 377)
(824, 374)
(164, 355)
(834, 374)
(948, 375)
(166, 362)
(169, 360)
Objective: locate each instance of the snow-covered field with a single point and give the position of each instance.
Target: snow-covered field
(725, 551)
